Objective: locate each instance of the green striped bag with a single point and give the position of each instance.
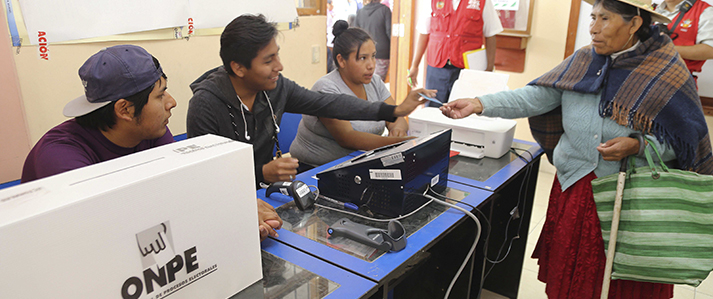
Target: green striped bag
(666, 227)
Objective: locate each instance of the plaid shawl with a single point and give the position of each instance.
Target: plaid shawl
(648, 89)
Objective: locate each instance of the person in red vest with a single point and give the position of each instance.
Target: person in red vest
(693, 35)
(452, 28)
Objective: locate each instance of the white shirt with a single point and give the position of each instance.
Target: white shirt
(705, 22)
(491, 21)
(632, 48)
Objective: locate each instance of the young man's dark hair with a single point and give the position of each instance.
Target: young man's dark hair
(243, 38)
(104, 118)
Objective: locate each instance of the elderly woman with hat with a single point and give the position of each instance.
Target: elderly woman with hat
(590, 112)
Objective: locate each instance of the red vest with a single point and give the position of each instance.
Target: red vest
(454, 32)
(687, 30)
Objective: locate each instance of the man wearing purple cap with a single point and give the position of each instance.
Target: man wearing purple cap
(124, 109)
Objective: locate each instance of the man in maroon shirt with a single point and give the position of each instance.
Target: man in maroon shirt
(125, 109)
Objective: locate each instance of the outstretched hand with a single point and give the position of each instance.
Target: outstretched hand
(412, 101)
(461, 108)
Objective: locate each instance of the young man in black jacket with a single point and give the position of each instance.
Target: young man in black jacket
(245, 98)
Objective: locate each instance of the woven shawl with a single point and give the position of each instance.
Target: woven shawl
(648, 89)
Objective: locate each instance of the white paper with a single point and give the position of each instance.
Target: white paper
(476, 60)
(77, 19)
(472, 83)
(218, 13)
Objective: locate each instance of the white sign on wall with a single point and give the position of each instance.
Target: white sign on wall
(58, 21)
(77, 19)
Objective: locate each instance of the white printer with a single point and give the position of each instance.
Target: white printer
(473, 136)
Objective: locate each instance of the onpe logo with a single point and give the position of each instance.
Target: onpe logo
(159, 260)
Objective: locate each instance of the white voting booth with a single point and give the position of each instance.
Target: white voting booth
(473, 136)
(179, 220)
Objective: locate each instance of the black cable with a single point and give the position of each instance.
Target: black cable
(525, 150)
(467, 204)
(528, 173)
(526, 182)
(512, 150)
(487, 236)
(475, 242)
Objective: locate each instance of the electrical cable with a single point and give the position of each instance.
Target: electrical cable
(526, 182)
(467, 204)
(520, 156)
(482, 279)
(498, 260)
(524, 150)
(472, 248)
(358, 215)
(369, 218)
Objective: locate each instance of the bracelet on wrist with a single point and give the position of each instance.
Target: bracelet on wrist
(642, 142)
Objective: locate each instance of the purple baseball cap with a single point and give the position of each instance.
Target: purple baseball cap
(111, 74)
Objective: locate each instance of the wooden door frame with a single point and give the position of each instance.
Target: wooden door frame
(572, 27)
(401, 52)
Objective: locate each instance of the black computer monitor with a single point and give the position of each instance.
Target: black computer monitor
(390, 180)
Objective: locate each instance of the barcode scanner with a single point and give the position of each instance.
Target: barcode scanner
(393, 239)
(297, 190)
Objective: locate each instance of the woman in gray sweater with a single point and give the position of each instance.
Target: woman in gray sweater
(321, 139)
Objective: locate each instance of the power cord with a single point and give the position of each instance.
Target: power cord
(482, 279)
(472, 248)
(467, 204)
(512, 149)
(358, 215)
(513, 214)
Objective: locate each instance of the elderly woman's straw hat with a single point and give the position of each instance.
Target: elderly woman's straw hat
(656, 17)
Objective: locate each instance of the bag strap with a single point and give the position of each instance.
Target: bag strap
(649, 159)
(682, 10)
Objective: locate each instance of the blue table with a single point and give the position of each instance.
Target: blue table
(444, 239)
(292, 273)
(479, 172)
(380, 268)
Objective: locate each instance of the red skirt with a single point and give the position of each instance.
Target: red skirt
(570, 250)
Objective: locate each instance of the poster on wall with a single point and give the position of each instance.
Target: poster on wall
(50, 21)
(57, 21)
